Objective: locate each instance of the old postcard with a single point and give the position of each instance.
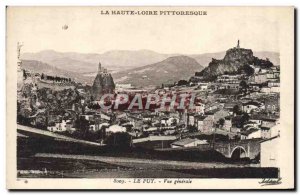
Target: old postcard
(150, 97)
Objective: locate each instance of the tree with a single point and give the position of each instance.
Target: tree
(182, 82)
(248, 70)
(245, 118)
(192, 128)
(243, 84)
(82, 124)
(174, 122)
(221, 122)
(119, 139)
(24, 74)
(236, 109)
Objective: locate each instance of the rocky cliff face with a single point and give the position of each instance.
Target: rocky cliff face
(236, 60)
(103, 83)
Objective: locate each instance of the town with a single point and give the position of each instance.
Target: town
(233, 103)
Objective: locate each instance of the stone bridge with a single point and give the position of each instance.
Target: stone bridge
(239, 149)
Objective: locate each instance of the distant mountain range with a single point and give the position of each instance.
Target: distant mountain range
(88, 63)
(83, 66)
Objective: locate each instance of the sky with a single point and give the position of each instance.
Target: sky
(40, 28)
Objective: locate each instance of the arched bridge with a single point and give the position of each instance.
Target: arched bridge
(249, 148)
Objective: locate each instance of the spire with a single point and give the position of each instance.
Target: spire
(238, 44)
(99, 68)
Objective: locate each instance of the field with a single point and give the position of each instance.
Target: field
(78, 166)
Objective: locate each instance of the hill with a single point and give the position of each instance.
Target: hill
(169, 70)
(41, 67)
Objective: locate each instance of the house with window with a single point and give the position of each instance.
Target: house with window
(249, 106)
(199, 108)
(64, 125)
(251, 133)
(218, 114)
(272, 103)
(169, 121)
(227, 123)
(205, 123)
(260, 78)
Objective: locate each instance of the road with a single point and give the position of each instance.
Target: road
(53, 135)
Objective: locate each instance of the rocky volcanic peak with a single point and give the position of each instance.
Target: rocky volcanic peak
(103, 83)
(238, 56)
(236, 60)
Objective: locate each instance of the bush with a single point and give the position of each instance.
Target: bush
(119, 139)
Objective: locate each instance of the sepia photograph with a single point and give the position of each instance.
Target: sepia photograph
(150, 97)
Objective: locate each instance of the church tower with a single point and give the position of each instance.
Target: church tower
(238, 44)
(99, 68)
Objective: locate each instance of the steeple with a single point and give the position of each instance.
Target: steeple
(99, 68)
(238, 44)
